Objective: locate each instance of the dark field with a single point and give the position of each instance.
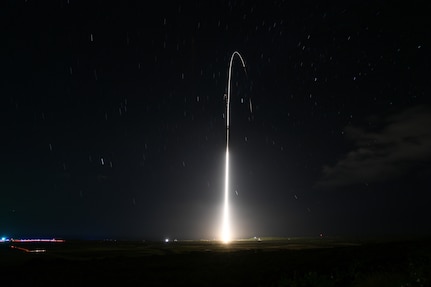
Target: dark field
(271, 262)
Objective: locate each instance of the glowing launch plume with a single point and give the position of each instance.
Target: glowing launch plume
(226, 225)
(226, 236)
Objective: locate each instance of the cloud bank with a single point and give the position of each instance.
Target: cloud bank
(402, 144)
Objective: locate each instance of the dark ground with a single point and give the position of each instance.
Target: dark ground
(275, 262)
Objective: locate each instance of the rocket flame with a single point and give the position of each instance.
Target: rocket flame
(226, 225)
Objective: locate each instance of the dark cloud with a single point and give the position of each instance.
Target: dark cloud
(402, 143)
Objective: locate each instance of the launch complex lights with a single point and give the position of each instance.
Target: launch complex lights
(32, 240)
(38, 240)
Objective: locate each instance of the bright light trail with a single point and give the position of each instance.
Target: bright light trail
(28, 250)
(226, 235)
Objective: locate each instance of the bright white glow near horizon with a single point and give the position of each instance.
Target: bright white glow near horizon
(226, 223)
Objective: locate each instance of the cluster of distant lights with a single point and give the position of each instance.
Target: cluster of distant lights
(32, 240)
(5, 239)
(167, 240)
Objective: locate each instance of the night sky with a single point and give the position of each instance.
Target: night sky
(113, 118)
